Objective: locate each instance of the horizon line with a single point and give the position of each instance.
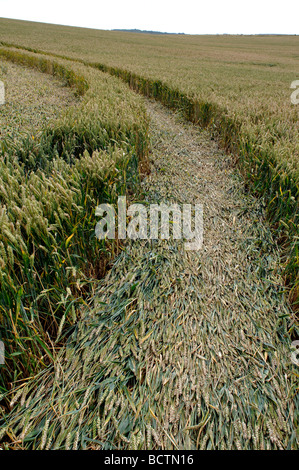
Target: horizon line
(144, 31)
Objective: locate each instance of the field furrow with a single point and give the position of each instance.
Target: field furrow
(177, 350)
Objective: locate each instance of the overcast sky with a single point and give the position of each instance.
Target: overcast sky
(187, 16)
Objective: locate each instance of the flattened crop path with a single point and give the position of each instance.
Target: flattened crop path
(180, 350)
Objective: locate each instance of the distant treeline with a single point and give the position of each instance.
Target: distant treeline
(143, 31)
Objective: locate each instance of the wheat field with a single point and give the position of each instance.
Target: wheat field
(113, 345)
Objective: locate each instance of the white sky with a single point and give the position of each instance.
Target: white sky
(187, 16)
